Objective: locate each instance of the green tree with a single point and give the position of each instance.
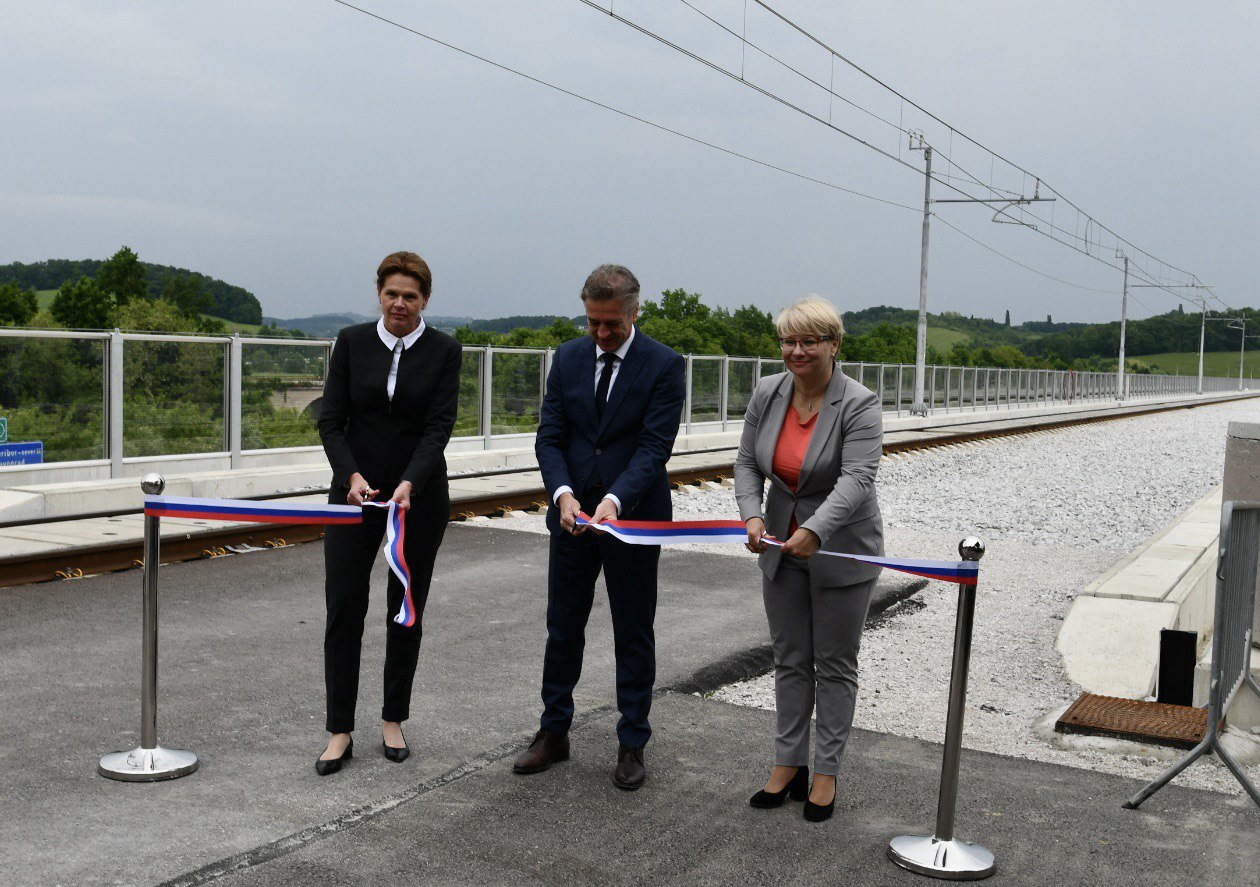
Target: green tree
(158, 316)
(123, 276)
(84, 305)
(17, 305)
(188, 293)
(1008, 317)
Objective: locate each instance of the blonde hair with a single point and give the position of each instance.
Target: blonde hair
(810, 316)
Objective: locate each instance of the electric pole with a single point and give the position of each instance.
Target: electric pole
(1124, 319)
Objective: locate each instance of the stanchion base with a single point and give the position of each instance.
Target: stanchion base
(949, 860)
(147, 764)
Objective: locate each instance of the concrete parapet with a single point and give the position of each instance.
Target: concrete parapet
(1110, 639)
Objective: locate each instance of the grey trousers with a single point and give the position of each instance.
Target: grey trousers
(816, 633)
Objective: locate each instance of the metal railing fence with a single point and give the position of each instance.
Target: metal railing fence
(1238, 568)
(101, 397)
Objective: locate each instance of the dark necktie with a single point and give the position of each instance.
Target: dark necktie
(605, 380)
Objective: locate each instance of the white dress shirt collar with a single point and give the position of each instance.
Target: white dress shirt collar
(620, 352)
(391, 340)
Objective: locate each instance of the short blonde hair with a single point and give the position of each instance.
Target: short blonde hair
(810, 316)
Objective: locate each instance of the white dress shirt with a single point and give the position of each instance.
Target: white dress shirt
(392, 342)
(599, 369)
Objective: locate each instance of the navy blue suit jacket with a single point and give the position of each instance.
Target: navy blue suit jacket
(626, 452)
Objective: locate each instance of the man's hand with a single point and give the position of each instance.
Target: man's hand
(569, 508)
(606, 510)
(402, 495)
(756, 529)
(804, 543)
(360, 490)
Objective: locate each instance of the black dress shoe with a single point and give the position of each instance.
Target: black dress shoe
(797, 789)
(819, 812)
(545, 750)
(397, 755)
(630, 771)
(332, 765)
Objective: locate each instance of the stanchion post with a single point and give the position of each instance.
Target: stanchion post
(941, 855)
(150, 762)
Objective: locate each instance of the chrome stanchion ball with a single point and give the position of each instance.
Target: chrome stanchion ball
(971, 548)
(153, 483)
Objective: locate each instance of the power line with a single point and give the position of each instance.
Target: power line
(996, 252)
(729, 151)
(627, 114)
(1098, 242)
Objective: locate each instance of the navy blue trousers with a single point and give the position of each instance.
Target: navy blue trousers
(630, 575)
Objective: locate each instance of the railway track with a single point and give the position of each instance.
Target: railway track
(219, 542)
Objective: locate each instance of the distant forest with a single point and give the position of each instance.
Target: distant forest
(227, 301)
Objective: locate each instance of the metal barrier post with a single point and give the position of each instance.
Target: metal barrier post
(150, 762)
(1238, 567)
(941, 855)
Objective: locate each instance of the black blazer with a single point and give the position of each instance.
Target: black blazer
(389, 442)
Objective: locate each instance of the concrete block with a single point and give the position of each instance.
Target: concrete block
(21, 505)
(1193, 534)
(1111, 646)
(1195, 596)
(1244, 712)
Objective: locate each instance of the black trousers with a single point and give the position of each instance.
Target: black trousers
(630, 574)
(350, 551)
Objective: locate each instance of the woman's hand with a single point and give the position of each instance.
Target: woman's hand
(402, 495)
(756, 529)
(804, 543)
(360, 490)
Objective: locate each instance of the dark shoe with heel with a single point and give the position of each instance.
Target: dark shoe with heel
(397, 755)
(545, 750)
(630, 771)
(797, 789)
(325, 768)
(819, 812)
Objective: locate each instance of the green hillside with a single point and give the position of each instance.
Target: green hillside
(1215, 363)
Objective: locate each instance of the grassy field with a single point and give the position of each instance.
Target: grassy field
(943, 339)
(1215, 363)
(45, 297)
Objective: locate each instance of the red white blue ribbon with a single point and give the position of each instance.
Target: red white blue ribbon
(281, 512)
(732, 532)
(270, 512)
(395, 533)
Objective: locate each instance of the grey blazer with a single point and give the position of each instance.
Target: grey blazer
(836, 496)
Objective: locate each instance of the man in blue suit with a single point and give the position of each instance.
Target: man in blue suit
(607, 429)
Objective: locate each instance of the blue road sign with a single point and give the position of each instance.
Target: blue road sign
(28, 453)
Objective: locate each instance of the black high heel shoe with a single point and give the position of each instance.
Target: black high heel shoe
(397, 755)
(797, 789)
(820, 812)
(332, 765)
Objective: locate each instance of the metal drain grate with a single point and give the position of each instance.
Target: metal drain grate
(1159, 723)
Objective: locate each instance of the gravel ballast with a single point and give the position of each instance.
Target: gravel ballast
(1056, 510)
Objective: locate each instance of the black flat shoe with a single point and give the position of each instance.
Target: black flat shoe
(332, 765)
(819, 812)
(797, 789)
(397, 755)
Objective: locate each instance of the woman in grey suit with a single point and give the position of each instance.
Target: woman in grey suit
(817, 436)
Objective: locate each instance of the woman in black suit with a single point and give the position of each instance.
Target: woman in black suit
(388, 411)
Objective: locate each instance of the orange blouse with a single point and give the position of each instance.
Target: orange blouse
(789, 453)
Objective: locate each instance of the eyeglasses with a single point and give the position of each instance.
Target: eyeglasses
(810, 344)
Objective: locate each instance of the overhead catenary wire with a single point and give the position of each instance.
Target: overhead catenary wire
(1091, 243)
(694, 139)
(627, 114)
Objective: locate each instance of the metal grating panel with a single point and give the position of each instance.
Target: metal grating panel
(1159, 723)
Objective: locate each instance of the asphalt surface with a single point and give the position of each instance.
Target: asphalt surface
(241, 685)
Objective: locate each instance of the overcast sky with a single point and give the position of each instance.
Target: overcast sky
(287, 146)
